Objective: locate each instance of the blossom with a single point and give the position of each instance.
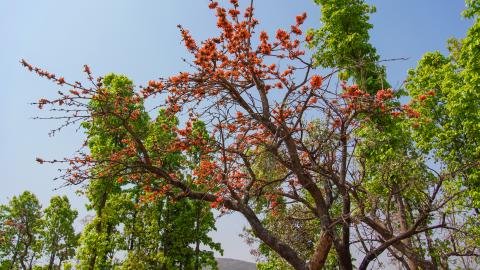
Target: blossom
(213, 5)
(301, 18)
(316, 81)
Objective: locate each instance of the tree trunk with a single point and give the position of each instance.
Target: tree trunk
(285, 251)
(402, 216)
(51, 263)
(322, 249)
(344, 256)
(342, 245)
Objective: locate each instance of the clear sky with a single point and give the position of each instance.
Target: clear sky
(140, 39)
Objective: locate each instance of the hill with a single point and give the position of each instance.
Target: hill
(232, 264)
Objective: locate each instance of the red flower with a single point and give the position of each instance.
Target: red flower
(301, 18)
(213, 5)
(395, 114)
(316, 81)
(282, 35)
(296, 30)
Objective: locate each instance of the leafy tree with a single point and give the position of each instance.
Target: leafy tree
(100, 237)
(59, 238)
(344, 154)
(444, 89)
(21, 229)
(7, 239)
(343, 42)
(137, 220)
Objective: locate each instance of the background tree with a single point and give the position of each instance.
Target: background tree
(22, 221)
(7, 240)
(59, 236)
(343, 42)
(445, 90)
(163, 232)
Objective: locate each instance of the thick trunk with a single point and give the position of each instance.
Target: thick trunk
(322, 249)
(344, 256)
(285, 251)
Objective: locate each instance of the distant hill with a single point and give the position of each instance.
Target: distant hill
(232, 264)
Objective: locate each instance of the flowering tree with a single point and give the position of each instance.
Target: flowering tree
(268, 131)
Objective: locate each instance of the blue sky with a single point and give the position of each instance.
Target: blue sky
(140, 39)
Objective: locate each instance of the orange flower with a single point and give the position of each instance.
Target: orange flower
(296, 30)
(61, 80)
(213, 5)
(316, 81)
(301, 18)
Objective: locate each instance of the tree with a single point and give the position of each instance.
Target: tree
(262, 100)
(22, 225)
(343, 42)
(59, 236)
(163, 232)
(7, 240)
(445, 90)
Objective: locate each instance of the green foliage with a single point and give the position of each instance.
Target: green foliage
(445, 90)
(22, 226)
(343, 42)
(59, 236)
(449, 124)
(150, 231)
(473, 8)
(30, 235)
